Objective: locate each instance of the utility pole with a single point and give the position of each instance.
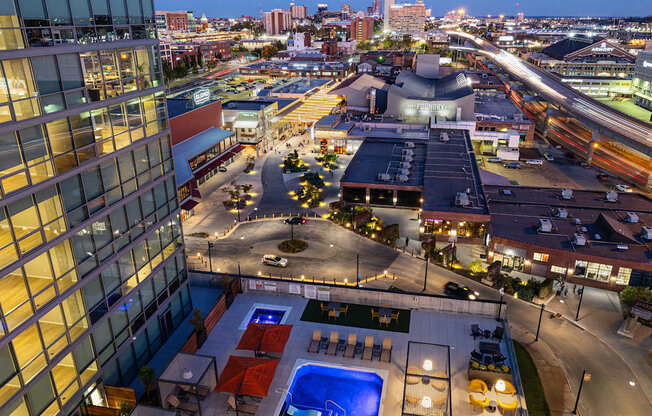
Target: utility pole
(291, 231)
(425, 276)
(579, 305)
(539, 324)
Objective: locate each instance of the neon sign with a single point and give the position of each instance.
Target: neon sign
(201, 96)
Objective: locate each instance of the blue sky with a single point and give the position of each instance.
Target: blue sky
(230, 8)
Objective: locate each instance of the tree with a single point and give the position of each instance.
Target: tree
(632, 294)
(200, 60)
(268, 51)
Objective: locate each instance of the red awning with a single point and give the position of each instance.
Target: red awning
(217, 162)
(189, 204)
(265, 338)
(195, 193)
(247, 376)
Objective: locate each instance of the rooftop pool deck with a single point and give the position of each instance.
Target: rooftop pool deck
(451, 329)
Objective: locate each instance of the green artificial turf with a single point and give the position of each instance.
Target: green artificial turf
(359, 316)
(534, 396)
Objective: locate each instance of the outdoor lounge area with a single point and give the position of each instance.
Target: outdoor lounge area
(387, 370)
(186, 382)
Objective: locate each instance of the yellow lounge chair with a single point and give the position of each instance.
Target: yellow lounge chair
(508, 407)
(509, 389)
(332, 343)
(477, 385)
(349, 352)
(439, 385)
(412, 399)
(412, 379)
(368, 348)
(478, 403)
(314, 342)
(386, 353)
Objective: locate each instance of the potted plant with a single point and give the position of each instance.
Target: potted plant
(200, 330)
(146, 375)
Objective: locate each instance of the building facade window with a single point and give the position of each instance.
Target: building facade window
(542, 257)
(558, 269)
(624, 273)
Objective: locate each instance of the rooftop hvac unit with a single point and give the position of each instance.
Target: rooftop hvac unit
(577, 221)
(646, 233)
(579, 239)
(462, 199)
(384, 177)
(468, 190)
(507, 192)
(408, 152)
(444, 137)
(622, 247)
(405, 165)
(366, 128)
(612, 196)
(409, 144)
(402, 178)
(632, 217)
(584, 229)
(407, 158)
(545, 225)
(597, 236)
(404, 171)
(566, 193)
(562, 213)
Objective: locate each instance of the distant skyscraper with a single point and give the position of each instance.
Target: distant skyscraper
(277, 21)
(388, 6)
(377, 7)
(408, 18)
(298, 11)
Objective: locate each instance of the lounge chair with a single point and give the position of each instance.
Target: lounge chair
(344, 310)
(201, 391)
(498, 358)
(498, 333)
(508, 406)
(475, 331)
(478, 386)
(412, 399)
(413, 378)
(386, 354)
(349, 352)
(324, 308)
(374, 314)
(332, 344)
(509, 390)
(439, 383)
(189, 407)
(476, 356)
(316, 339)
(367, 353)
(293, 411)
(241, 408)
(477, 402)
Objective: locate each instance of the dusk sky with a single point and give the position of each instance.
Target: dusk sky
(232, 8)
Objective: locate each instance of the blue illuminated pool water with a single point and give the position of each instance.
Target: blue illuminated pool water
(266, 316)
(358, 392)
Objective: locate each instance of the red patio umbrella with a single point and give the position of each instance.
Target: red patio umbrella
(265, 337)
(247, 376)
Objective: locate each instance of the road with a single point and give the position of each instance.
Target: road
(332, 255)
(555, 91)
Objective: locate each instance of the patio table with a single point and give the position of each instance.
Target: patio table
(489, 348)
(387, 312)
(334, 306)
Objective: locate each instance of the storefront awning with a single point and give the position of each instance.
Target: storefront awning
(193, 146)
(195, 193)
(245, 124)
(189, 204)
(217, 161)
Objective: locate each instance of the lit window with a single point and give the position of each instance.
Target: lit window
(558, 269)
(624, 274)
(543, 257)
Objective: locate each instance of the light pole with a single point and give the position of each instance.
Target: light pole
(357, 269)
(539, 324)
(500, 305)
(579, 305)
(425, 275)
(585, 377)
(210, 260)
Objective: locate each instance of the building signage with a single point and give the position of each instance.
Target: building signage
(602, 48)
(428, 107)
(506, 38)
(201, 96)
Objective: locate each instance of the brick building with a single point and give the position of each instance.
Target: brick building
(361, 29)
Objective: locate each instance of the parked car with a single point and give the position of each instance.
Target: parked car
(548, 157)
(536, 162)
(296, 220)
(274, 260)
(462, 292)
(623, 188)
(512, 165)
(222, 169)
(603, 177)
(494, 160)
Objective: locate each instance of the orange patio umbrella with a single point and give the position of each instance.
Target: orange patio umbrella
(265, 337)
(247, 376)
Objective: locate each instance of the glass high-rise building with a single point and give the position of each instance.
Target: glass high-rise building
(92, 269)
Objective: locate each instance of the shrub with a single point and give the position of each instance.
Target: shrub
(475, 267)
(632, 294)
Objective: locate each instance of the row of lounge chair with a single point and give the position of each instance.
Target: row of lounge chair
(351, 347)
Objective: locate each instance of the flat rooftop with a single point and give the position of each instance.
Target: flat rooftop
(247, 105)
(440, 168)
(427, 326)
(496, 106)
(298, 65)
(515, 216)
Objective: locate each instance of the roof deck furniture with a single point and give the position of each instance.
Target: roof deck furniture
(476, 356)
(349, 351)
(193, 374)
(477, 385)
(505, 387)
(489, 348)
(315, 341)
(475, 331)
(498, 333)
(332, 343)
(241, 408)
(367, 353)
(386, 354)
(508, 406)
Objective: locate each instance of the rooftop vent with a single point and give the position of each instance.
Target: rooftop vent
(566, 193)
(646, 233)
(462, 199)
(632, 217)
(404, 171)
(545, 225)
(597, 236)
(577, 221)
(584, 229)
(579, 239)
(402, 178)
(407, 158)
(444, 137)
(562, 213)
(405, 165)
(507, 192)
(399, 130)
(384, 177)
(622, 247)
(409, 144)
(408, 152)
(612, 196)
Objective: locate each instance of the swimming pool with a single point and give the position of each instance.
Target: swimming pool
(317, 386)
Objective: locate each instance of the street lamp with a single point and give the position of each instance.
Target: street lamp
(586, 377)
(579, 305)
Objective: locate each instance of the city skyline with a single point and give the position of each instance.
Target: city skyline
(474, 7)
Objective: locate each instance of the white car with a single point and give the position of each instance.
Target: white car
(494, 160)
(274, 260)
(537, 162)
(623, 188)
